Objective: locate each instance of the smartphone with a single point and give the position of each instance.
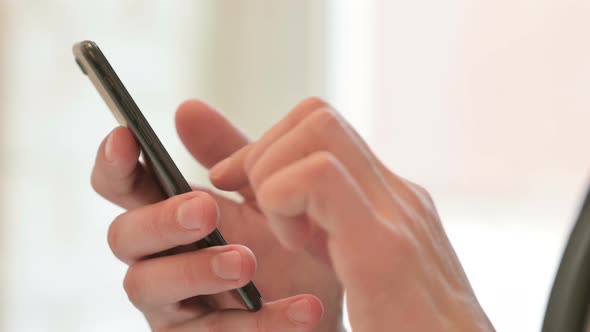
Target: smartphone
(94, 64)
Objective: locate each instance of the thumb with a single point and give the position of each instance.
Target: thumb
(206, 133)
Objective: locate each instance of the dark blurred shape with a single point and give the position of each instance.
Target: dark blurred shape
(567, 310)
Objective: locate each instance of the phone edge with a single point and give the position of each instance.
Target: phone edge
(114, 93)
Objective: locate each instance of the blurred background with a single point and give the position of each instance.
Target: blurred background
(485, 103)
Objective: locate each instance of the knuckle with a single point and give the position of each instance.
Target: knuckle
(424, 193)
(128, 182)
(323, 163)
(258, 177)
(313, 103)
(423, 196)
(95, 182)
(325, 125)
(315, 100)
(266, 195)
(418, 188)
(405, 244)
(189, 273)
(110, 185)
(250, 156)
(133, 286)
(164, 220)
(402, 241)
(113, 237)
(325, 120)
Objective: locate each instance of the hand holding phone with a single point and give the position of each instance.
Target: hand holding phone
(173, 291)
(93, 63)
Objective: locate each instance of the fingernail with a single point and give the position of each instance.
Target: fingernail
(219, 168)
(190, 214)
(227, 265)
(300, 312)
(108, 153)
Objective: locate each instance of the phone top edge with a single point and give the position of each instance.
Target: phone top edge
(85, 44)
(85, 54)
(123, 107)
(81, 49)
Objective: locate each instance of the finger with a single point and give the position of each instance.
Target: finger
(296, 314)
(179, 220)
(208, 135)
(322, 189)
(323, 131)
(285, 196)
(231, 178)
(118, 175)
(231, 175)
(166, 280)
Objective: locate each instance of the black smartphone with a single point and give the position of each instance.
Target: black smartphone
(94, 64)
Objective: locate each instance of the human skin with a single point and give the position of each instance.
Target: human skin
(320, 213)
